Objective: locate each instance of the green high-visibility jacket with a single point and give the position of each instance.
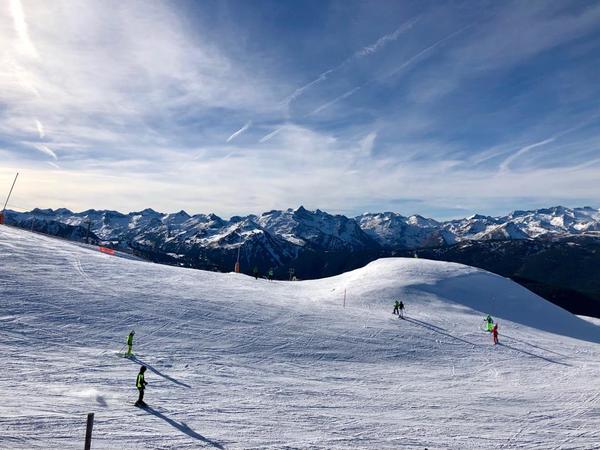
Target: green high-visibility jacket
(130, 339)
(140, 383)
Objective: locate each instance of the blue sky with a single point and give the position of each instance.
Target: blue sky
(437, 108)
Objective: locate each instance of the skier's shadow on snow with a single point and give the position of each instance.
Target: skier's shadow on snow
(135, 359)
(532, 345)
(181, 426)
(533, 354)
(437, 329)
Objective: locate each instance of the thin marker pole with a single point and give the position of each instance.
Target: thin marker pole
(236, 267)
(88, 431)
(10, 192)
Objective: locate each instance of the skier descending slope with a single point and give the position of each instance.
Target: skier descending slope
(141, 383)
(401, 310)
(130, 342)
(396, 306)
(489, 323)
(495, 333)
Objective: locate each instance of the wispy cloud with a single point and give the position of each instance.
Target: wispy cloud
(335, 100)
(365, 51)
(413, 59)
(240, 131)
(271, 135)
(46, 150)
(366, 145)
(299, 91)
(505, 165)
(538, 28)
(20, 24)
(430, 114)
(384, 40)
(142, 96)
(40, 129)
(427, 50)
(320, 161)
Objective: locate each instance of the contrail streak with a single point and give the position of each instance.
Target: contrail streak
(240, 131)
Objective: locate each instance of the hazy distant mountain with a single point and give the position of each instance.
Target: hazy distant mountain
(395, 231)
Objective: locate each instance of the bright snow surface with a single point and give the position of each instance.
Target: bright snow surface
(236, 362)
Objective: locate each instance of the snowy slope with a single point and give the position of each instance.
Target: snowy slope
(241, 363)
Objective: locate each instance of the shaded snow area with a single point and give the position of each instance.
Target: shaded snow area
(235, 362)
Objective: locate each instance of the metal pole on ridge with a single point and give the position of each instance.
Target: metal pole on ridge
(7, 198)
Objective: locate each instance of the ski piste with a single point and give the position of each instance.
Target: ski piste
(132, 356)
(285, 361)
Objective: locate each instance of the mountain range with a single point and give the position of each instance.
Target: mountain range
(286, 233)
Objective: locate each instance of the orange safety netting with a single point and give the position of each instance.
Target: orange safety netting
(109, 251)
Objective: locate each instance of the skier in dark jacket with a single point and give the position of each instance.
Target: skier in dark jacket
(401, 310)
(141, 383)
(255, 272)
(130, 342)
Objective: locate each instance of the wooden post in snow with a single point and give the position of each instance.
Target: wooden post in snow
(87, 233)
(88, 431)
(236, 268)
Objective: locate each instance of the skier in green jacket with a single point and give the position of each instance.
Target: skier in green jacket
(130, 342)
(140, 384)
(396, 308)
(489, 323)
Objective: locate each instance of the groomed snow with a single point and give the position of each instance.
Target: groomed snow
(241, 363)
